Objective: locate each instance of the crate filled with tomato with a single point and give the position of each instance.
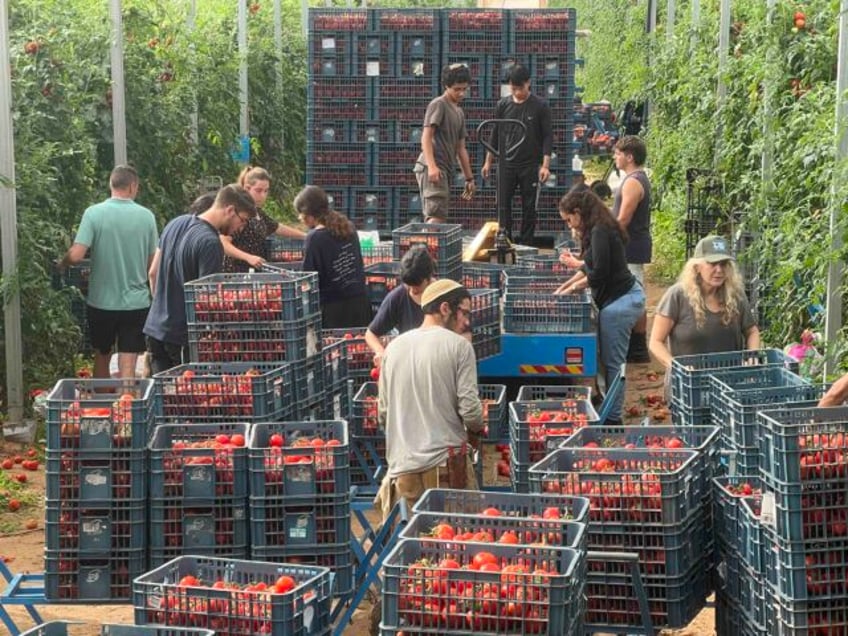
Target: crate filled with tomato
(485, 322)
(542, 393)
(530, 306)
(202, 392)
(96, 478)
(532, 506)
(284, 523)
(95, 531)
(282, 249)
(463, 587)
(65, 628)
(727, 491)
(72, 576)
(442, 240)
(99, 415)
(240, 598)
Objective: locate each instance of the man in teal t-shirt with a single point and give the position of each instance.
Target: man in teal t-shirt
(121, 237)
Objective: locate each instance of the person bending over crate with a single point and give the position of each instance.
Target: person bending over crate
(706, 310)
(247, 248)
(442, 141)
(401, 308)
(428, 402)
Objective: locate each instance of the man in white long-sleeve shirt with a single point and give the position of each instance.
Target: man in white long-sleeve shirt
(428, 400)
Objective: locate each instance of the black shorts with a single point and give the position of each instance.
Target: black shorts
(106, 327)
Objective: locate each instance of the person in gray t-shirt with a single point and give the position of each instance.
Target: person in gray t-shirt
(706, 311)
(442, 142)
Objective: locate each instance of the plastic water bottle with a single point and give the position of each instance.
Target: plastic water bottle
(576, 163)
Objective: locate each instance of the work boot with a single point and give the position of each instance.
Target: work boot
(637, 350)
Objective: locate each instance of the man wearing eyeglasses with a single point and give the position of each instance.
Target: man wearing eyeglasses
(442, 142)
(428, 400)
(190, 248)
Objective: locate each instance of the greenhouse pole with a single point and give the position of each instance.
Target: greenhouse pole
(670, 10)
(768, 125)
(833, 318)
(723, 46)
(244, 121)
(696, 22)
(190, 22)
(278, 44)
(119, 119)
(9, 236)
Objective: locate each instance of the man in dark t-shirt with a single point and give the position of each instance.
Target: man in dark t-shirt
(401, 308)
(189, 248)
(530, 164)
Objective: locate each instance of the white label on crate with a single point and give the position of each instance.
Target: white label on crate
(154, 599)
(96, 478)
(199, 473)
(731, 465)
(238, 513)
(308, 617)
(328, 43)
(372, 68)
(92, 576)
(418, 69)
(93, 527)
(337, 406)
(95, 426)
(768, 510)
(506, 90)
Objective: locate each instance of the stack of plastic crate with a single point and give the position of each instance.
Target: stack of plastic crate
(437, 583)
(530, 306)
(261, 318)
(229, 596)
(691, 379)
(737, 395)
(803, 523)
(96, 488)
(337, 388)
(485, 323)
(646, 500)
(198, 491)
(537, 428)
(300, 495)
(442, 240)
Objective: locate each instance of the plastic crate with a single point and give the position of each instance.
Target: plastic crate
(542, 31)
(277, 522)
(325, 20)
(363, 422)
(372, 208)
(493, 397)
(542, 393)
(191, 463)
(474, 31)
(159, 598)
(373, 54)
(443, 242)
(202, 392)
(380, 279)
(531, 307)
(735, 397)
(558, 533)
(727, 493)
(71, 526)
(335, 356)
(72, 577)
(555, 599)
(544, 263)
(377, 253)
(482, 275)
(525, 506)
(690, 375)
(485, 323)
(339, 97)
(402, 100)
(684, 416)
(64, 628)
(367, 460)
(393, 164)
(254, 343)
(308, 381)
(96, 478)
(252, 298)
(217, 528)
(360, 358)
(664, 496)
(298, 467)
(537, 428)
(99, 415)
(373, 132)
(281, 249)
(751, 541)
(325, 131)
(338, 558)
(338, 404)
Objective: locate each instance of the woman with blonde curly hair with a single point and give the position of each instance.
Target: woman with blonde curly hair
(706, 311)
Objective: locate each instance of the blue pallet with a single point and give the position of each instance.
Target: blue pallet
(158, 597)
(92, 415)
(255, 342)
(96, 478)
(71, 577)
(219, 528)
(95, 531)
(179, 470)
(60, 628)
(690, 375)
(223, 392)
(279, 522)
(325, 471)
(338, 558)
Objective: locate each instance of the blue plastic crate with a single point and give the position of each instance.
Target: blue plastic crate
(70, 526)
(255, 342)
(493, 397)
(96, 478)
(408, 205)
(297, 467)
(194, 463)
(332, 98)
(548, 263)
(736, 396)
(367, 460)
(99, 415)
(727, 493)
(253, 297)
(666, 495)
(329, 21)
(482, 275)
(536, 31)
(684, 416)
(324, 131)
(526, 506)
(373, 132)
(728, 614)
(442, 240)
(372, 207)
(219, 528)
(363, 421)
(474, 31)
(537, 428)
(373, 54)
(335, 357)
(485, 322)
(278, 522)
(159, 599)
(377, 253)
(308, 380)
(690, 375)
(339, 164)
(204, 392)
(61, 628)
(534, 393)
(752, 599)
(360, 358)
(380, 279)
(402, 100)
(555, 599)
(530, 306)
(726, 571)
(393, 164)
(281, 249)
(338, 404)
(72, 577)
(338, 558)
(751, 538)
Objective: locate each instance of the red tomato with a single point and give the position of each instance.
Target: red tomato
(237, 440)
(284, 584)
(276, 440)
(491, 512)
(222, 438)
(483, 558)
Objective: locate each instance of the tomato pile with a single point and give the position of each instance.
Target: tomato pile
(547, 428)
(646, 441)
(823, 456)
(260, 303)
(248, 344)
(198, 395)
(493, 527)
(216, 451)
(118, 418)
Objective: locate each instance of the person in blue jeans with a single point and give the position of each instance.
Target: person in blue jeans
(619, 297)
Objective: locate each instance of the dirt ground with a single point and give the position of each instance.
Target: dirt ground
(23, 549)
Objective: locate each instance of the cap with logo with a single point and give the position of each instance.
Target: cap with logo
(713, 249)
(437, 289)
